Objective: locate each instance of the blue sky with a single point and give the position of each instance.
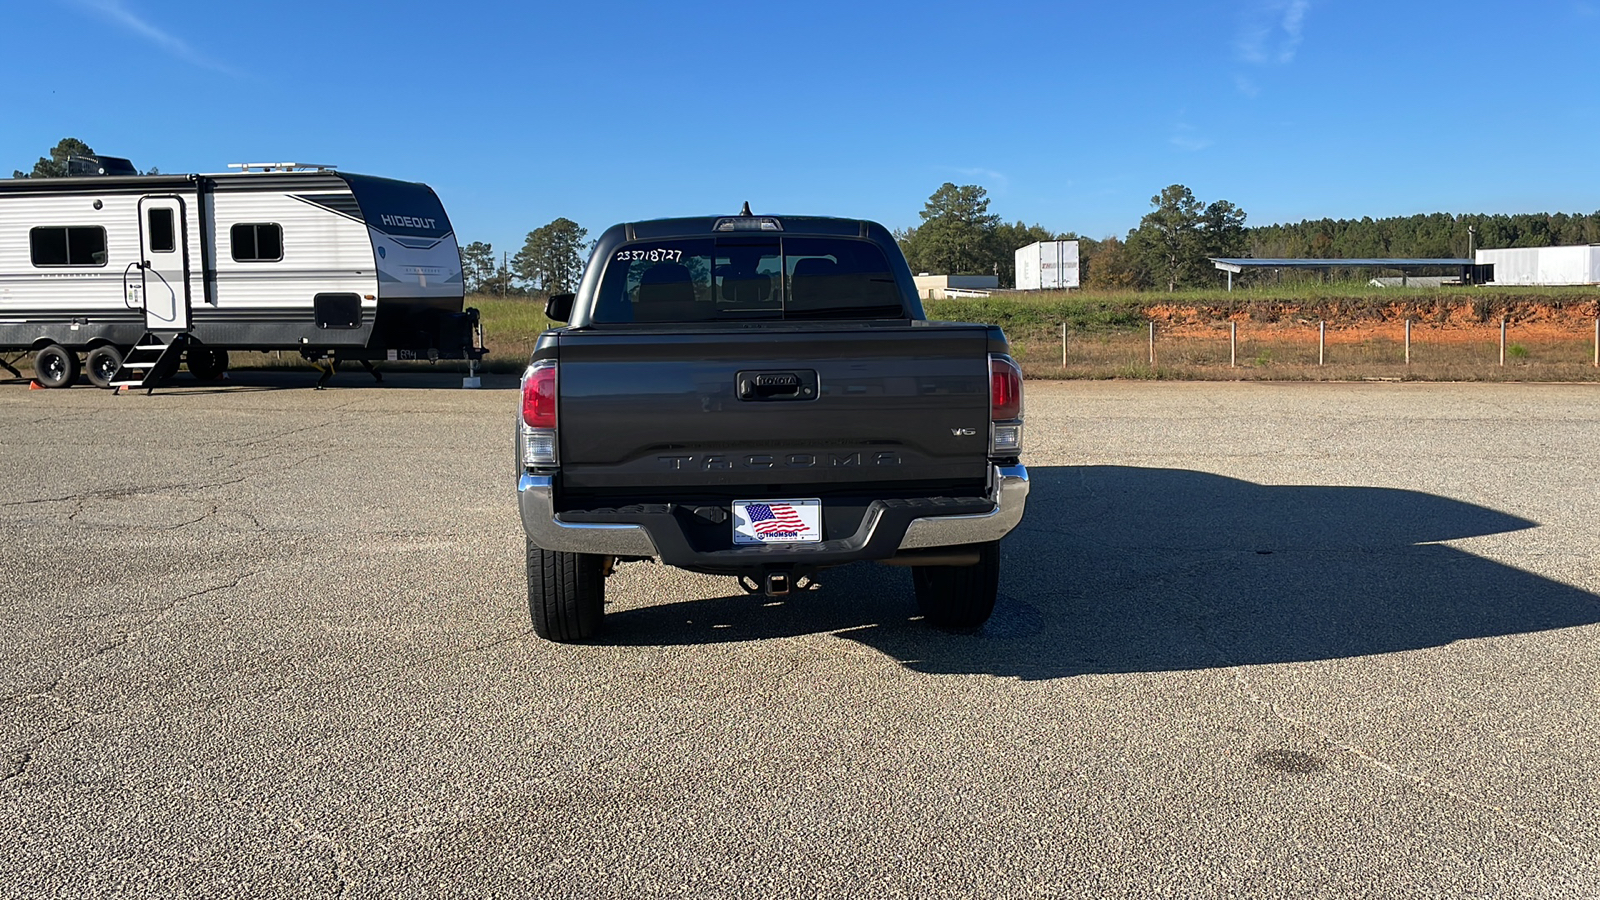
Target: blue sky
(1071, 114)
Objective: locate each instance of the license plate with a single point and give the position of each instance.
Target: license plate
(777, 521)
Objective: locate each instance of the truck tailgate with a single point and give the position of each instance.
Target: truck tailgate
(666, 409)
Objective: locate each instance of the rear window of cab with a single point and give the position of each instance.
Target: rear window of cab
(747, 277)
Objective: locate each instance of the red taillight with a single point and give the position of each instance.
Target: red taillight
(1005, 389)
(539, 397)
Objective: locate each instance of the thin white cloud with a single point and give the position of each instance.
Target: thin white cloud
(1184, 137)
(996, 180)
(1271, 33)
(117, 13)
(1294, 23)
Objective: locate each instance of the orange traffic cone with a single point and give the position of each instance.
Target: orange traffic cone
(35, 386)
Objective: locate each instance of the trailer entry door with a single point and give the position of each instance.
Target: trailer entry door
(164, 258)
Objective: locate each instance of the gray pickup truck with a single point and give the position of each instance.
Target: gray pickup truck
(763, 397)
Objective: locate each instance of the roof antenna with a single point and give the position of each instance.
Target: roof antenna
(746, 211)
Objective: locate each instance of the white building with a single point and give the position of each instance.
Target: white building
(938, 287)
(1541, 265)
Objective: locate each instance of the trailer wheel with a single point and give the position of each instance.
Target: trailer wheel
(959, 598)
(55, 366)
(102, 365)
(205, 363)
(566, 594)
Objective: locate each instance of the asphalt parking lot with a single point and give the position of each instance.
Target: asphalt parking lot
(1276, 640)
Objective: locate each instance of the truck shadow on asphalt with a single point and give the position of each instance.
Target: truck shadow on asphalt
(1121, 569)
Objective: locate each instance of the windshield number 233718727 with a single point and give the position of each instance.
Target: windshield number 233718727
(656, 255)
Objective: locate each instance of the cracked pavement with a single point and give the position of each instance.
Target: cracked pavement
(1254, 640)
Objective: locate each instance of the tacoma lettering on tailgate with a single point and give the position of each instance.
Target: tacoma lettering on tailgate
(715, 461)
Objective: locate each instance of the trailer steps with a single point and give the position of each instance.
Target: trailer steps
(150, 362)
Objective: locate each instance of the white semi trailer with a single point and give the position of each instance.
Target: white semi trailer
(1542, 265)
(1048, 266)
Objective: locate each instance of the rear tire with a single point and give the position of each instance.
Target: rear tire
(566, 594)
(54, 366)
(205, 363)
(102, 365)
(959, 598)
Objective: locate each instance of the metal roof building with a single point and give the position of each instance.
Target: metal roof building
(1404, 266)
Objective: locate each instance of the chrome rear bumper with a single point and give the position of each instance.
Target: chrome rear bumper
(535, 497)
(1011, 495)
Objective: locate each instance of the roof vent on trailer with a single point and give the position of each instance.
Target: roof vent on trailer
(282, 167)
(99, 165)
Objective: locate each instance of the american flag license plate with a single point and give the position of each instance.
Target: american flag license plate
(777, 521)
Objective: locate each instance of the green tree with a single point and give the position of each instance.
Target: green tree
(551, 261)
(1222, 233)
(956, 236)
(56, 165)
(477, 266)
(1112, 266)
(1168, 241)
(911, 247)
(1222, 225)
(501, 284)
(1088, 249)
(1420, 236)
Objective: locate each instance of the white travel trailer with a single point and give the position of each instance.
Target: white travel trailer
(134, 271)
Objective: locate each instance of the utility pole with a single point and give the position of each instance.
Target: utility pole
(1472, 258)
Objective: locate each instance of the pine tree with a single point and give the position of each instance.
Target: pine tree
(56, 165)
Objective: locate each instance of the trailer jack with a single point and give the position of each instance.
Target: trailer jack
(328, 366)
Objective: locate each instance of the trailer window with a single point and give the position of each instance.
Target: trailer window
(73, 245)
(163, 238)
(257, 242)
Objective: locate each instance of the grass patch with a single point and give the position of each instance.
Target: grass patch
(1107, 333)
(511, 326)
(1088, 311)
(1082, 313)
